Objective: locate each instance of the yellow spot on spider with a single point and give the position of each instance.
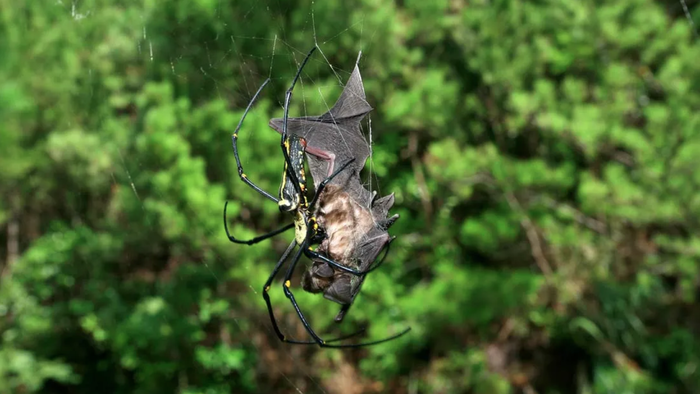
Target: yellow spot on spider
(287, 283)
(244, 176)
(267, 288)
(286, 144)
(323, 342)
(235, 135)
(302, 187)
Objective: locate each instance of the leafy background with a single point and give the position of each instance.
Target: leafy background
(543, 156)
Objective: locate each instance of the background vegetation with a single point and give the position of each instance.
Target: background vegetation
(544, 156)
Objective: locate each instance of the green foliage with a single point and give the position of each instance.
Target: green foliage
(543, 155)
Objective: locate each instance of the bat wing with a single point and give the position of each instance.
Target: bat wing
(335, 137)
(366, 253)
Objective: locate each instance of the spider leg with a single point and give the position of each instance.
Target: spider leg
(256, 239)
(312, 254)
(323, 184)
(234, 141)
(284, 142)
(288, 292)
(266, 296)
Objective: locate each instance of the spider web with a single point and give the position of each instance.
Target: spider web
(284, 58)
(311, 94)
(686, 11)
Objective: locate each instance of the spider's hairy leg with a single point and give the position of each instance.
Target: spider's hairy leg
(244, 178)
(256, 239)
(234, 141)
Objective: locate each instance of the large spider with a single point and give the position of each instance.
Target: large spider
(292, 199)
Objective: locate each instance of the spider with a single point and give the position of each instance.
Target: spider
(292, 199)
(356, 236)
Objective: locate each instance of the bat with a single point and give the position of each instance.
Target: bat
(354, 220)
